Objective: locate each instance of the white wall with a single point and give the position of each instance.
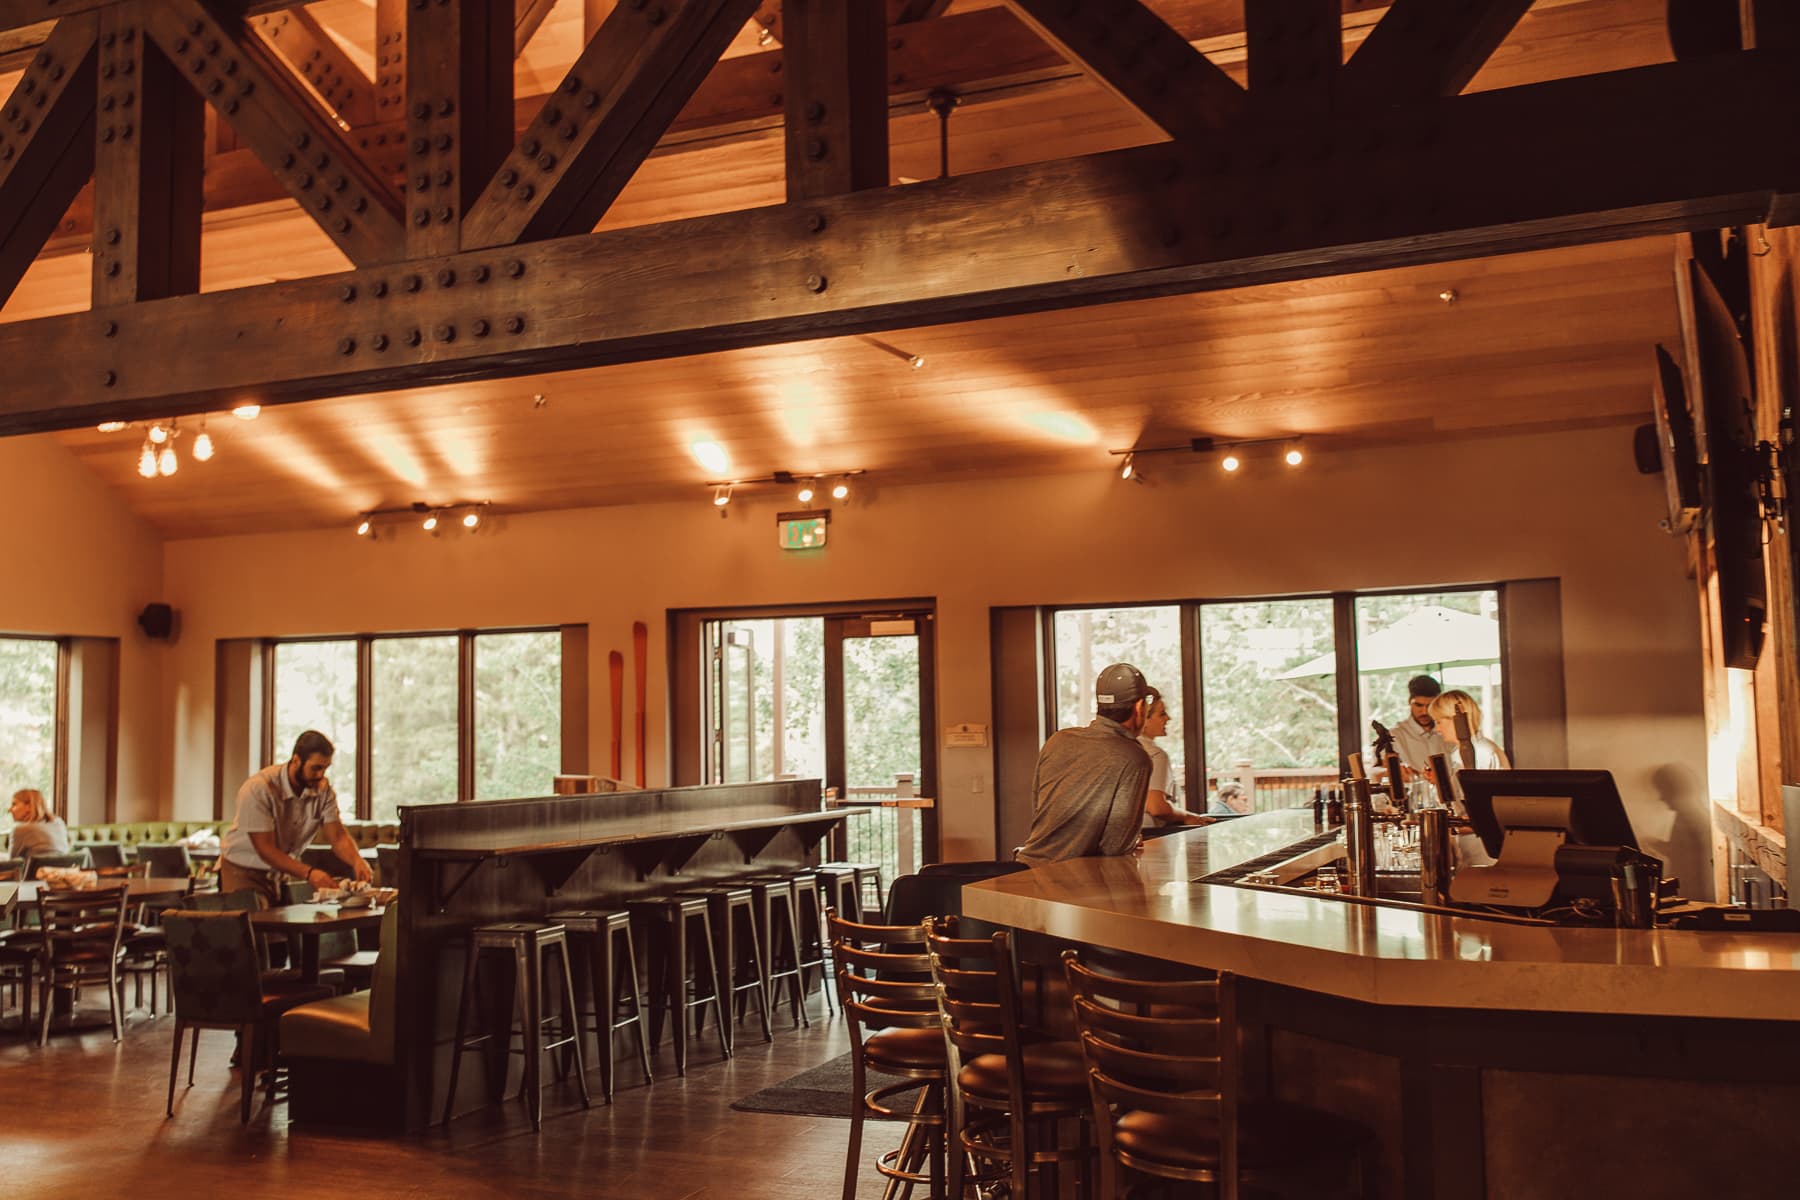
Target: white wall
(1569, 505)
(78, 563)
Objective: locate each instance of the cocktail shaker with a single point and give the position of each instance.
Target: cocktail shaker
(1434, 855)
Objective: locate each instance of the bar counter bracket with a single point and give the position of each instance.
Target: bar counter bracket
(754, 841)
(676, 852)
(555, 867)
(441, 895)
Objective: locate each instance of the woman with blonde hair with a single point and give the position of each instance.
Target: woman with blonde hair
(1488, 755)
(35, 827)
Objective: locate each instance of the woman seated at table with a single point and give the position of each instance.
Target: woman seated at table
(35, 828)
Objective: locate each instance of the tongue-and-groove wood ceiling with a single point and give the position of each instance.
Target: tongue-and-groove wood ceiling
(1549, 339)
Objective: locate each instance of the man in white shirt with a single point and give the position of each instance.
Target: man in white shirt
(1416, 738)
(279, 810)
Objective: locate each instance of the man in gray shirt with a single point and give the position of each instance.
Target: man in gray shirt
(279, 809)
(1091, 782)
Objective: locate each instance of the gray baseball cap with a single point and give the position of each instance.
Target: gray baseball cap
(1120, 684)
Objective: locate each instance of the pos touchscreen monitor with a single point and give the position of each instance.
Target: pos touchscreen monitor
(1583, 805)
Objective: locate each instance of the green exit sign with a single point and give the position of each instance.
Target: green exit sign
(802, 530)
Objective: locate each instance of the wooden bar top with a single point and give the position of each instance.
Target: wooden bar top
(1149, 905)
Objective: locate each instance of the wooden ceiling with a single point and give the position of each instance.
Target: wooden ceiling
(1552, 339)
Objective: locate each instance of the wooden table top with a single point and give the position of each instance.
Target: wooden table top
(316, 918)
(141, 889)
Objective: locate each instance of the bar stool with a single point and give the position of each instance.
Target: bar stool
(728, 908)
(809, 910)
(841, 890)
(669, 920)
(868, 884)
(527, 943)
(598, 934)
(776, 919)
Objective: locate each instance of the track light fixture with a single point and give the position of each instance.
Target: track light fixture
(1232, 454)
(431, 517)
(915, 361)
(156, 456)
(806, 487)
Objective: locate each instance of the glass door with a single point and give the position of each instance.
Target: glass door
(878, 730)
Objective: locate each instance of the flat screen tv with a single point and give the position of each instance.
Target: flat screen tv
(1726, 401)
(1675, 442)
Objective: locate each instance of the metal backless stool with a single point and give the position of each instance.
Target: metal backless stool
(742, 967)
(813, 941)
(778, 924)
(679, 930)
(527, 943)
(604, 936)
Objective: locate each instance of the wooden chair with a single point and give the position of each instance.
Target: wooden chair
(1009, 1086)
(217, 981)
(19, 951)
(81, 933)
(75, 858)
(166, 862)
(1162, 1072)
(890, 1004)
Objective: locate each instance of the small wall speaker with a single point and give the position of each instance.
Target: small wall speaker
(1646, 448)
(157, 621)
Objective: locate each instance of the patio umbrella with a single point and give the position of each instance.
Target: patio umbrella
(1426, 637)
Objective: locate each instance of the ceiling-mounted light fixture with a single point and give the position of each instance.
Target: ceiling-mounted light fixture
(841, 489)
(247, 412)
(472, 514)
(471, 520)
(806, 493)
(110, 426)
(166, 462)
(1232, 454)
(430, 523)
(915, 361)
(147, 460)
(721, 495)
(159, 433)
(365, 528)
(203, 444)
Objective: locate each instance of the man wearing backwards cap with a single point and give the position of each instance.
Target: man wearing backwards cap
(1091, 782)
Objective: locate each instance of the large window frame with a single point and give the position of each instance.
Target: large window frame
(1352, 737)
(573, 673)
(56, 785)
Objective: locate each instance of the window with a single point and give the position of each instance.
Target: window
(448, 716)
(1149, 638)
(1273, 714)
(767, 699)
(518, 713)
(412, 724)
(28, 703)
(315, 688)
(1270, 691)
(1452, 636)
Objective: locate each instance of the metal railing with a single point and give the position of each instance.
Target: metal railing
(1272, 788)
(888, 837)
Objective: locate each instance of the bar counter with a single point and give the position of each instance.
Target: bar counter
(1381, 955)
(1489, 1059)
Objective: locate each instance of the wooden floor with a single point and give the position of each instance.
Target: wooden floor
(84, 1116)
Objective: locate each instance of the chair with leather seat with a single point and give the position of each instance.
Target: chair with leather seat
(74, 858)
(1011, 1087)
(1162, 1069)
(216, 978)
(340, 1051)
(82, 937)
(166, 862)
(890, 1005)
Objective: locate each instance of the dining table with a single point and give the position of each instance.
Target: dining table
(305, 924)
(138, 891)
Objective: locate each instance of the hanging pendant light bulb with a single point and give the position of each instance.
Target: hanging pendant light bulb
(166, 462)
(203, 444)
(159, 433)
(147, 460)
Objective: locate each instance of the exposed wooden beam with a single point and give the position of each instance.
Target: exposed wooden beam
(315, 55)
(1141, 59)
(244, 81)
(390, 60)
(24, 14)
(906, 12)
(148, 160)
(528, 15)
(1423, 48)
(1294, 51)
(46, 144)
(459, 108)
(835, 65)
(612, 107)
(1631, 153)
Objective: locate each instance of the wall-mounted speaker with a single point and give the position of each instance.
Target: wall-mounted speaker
(157, 621)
